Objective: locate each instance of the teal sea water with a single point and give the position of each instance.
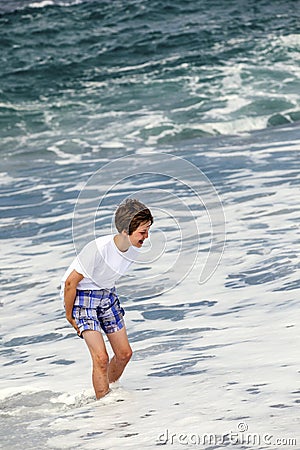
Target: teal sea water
(83, 83)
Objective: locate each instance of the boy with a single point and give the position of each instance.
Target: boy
(90, 298)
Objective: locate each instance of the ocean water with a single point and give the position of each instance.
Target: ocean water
(193, 107)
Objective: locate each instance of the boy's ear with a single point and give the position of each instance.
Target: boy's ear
(124, 232)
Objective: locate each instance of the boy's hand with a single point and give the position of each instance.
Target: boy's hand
(69, 297)
(72, 321)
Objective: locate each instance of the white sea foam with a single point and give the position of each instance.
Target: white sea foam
(42, 4)
(204, 358)
(45, 3)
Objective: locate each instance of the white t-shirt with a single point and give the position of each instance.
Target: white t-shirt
(101, 263)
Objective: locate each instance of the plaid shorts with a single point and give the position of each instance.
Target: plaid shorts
(94, 310)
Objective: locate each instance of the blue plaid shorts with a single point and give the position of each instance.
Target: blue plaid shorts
(94, 310)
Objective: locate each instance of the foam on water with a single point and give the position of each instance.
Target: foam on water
(204, 356)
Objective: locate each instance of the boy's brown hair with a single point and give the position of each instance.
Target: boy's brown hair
(131, 214)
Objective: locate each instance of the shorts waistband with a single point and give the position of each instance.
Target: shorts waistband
(97, 291)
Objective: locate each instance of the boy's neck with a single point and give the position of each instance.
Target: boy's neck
(122, 242)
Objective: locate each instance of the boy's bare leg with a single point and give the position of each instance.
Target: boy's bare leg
(122, 354)
(96, 346)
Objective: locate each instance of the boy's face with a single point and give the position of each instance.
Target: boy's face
(138, 236)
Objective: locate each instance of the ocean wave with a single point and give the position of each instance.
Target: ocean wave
(23, 5)
(124, 73)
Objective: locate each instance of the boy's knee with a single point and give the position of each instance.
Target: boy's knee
(125, 355)
(101, 360)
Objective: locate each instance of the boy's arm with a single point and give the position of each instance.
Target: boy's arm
(70, 294)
